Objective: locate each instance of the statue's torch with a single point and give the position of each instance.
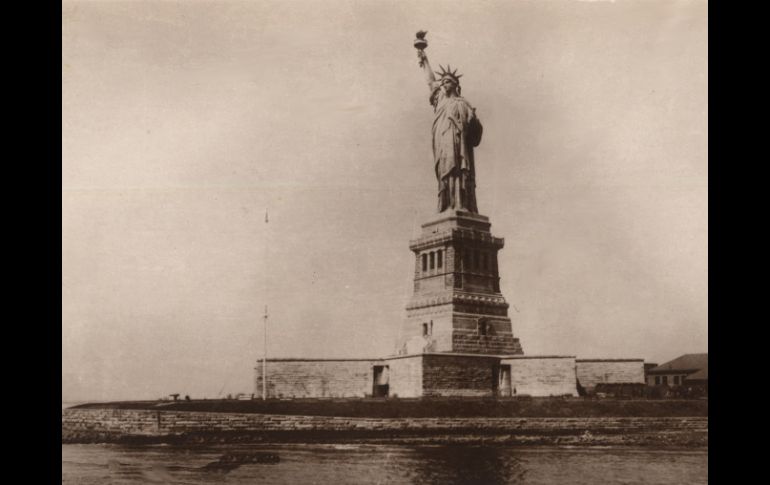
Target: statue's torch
(420, 44)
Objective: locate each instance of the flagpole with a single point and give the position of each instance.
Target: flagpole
(264, 361)
(264, 340)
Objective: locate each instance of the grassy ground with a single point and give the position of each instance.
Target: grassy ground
(436, 407)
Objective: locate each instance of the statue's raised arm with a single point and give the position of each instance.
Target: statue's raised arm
(456, 131)
(420, 44)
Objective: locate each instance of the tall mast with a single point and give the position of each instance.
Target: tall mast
(264, 340)
(264, 361)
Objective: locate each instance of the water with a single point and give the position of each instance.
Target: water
(383, 464)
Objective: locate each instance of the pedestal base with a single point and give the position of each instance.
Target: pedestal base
(457, 305)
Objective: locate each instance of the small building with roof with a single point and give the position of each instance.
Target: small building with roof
(699, 379)
(688, 369)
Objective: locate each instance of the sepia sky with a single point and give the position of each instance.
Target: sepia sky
(183, 121)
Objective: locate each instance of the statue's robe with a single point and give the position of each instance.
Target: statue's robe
(456, 130)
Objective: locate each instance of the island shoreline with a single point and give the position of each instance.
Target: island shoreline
(157, 425)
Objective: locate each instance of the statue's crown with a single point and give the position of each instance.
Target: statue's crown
(448, 73)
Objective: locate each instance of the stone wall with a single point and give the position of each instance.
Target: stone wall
(458, 375)
(160, 423)
(429, 374)
(113, 421)
(542, 375)
(591, 372)
(405, 376)
(317, 377)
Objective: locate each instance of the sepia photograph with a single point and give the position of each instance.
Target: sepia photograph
(361, 241)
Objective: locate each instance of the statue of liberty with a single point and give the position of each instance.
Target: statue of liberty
(456, 131)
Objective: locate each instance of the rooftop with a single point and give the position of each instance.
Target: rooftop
(687, 362)
(701, 375)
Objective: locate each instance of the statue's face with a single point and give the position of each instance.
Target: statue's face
(448, 86)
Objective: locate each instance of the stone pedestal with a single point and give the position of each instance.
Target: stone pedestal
(457, 305)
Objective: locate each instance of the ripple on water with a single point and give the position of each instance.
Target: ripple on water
(356, 464)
